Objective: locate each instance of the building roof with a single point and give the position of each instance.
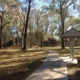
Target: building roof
(72, 33)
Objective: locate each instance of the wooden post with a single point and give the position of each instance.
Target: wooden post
(78, 62)
(72, 48)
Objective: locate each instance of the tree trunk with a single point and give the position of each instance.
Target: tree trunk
(14, 41)
(22, 34)
(62, 23)
(62, 39)
(62, 43)
(30, 43)
(5, 45)
(22, 42)
(41, 40)
(26, 26)
(37, 32)
(0, 41)
(1, 31)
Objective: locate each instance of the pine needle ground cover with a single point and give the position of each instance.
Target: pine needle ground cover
(18, 65)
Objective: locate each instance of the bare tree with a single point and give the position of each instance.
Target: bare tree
(3, 12)
(26, 24)
(62, 7)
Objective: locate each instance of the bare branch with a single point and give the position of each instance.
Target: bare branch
(5, 24)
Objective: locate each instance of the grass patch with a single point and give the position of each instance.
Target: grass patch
(17, 65)
(53, 48)
(64, 52)
(73, 72)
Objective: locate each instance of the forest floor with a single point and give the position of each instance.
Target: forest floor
(18, 65)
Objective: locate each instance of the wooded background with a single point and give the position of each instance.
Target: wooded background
(37, 23)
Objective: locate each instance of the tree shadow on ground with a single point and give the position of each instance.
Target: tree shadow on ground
(20, 72)
(73, 72)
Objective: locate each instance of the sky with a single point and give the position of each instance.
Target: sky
(76, 10)
(39, 3)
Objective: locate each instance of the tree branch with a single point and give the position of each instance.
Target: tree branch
(5, 24)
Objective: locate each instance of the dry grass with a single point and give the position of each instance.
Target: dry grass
(53, 48)
(73, 72)
(17, 65)
(66, 51)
